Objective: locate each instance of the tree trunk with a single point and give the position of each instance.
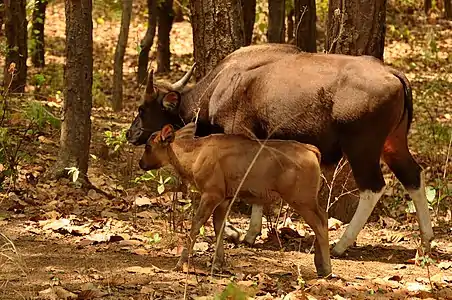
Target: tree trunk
(16, 37)
(217, 31)
(2, 16)
(178, 13)
(355, 27)
(427, 6)
(276, 17)
(78, 80)
(448, 9)
(119, 54)
(166, 16)
(37, 33)
(249, 17)
(146, 42)
(305, 18)
(290, 26)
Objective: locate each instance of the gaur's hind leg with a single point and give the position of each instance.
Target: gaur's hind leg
(399, 160)
(369, 179)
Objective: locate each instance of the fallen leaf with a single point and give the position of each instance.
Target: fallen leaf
(445, 265)
(57, 224)
(395, 278)
(201, 246)
(334, 224)
(57, 292)
(147, 290)
(140, 270)
(145, 214)
(177, 250)
(416, 287)
(142, 200)
(140, 251)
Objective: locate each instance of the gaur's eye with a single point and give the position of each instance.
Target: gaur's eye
(141, 110)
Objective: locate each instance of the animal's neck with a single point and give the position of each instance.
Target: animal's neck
(181, 156)
(194, 98)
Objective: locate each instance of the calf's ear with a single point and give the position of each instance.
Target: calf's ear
(167, 134)
(171, 101)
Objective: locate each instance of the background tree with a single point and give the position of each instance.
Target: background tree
(249, 17)
(78, 80)
(2, 16)
(427, 6)
(356, 28)
(305, 20)
(16, 36)
(147, 41)
(276, 18)
(37, 33)
(217, 31)
(290, 25)
(165, 22)
(119, 54)
(448, 9)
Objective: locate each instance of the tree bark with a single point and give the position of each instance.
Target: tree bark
(217, 31)
(249, 17)
(427, 6)
(178, 13)
(146, 42)
(119, 54)
(276, 17)
(2, 16)
(290, 26)
(16, 37)
(305, 18)
(37, 33)
(78, 79)
(166, 16)
(355, 27)
(448, 9)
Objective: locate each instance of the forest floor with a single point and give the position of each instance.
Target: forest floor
(60, 242)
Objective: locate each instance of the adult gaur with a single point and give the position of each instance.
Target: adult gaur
(345, 105)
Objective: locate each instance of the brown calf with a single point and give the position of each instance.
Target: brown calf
(218, 163)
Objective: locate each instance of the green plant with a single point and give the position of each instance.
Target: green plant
(39, 115)
(231, 291)
(115, 139)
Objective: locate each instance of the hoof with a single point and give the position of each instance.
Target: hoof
(249, 241)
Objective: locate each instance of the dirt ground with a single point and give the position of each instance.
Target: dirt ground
(60, 242)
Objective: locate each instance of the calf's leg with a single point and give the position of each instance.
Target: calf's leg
(218, 218)
(317, 219)
(209, 200)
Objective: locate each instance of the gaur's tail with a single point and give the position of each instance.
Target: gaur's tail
(407, 93)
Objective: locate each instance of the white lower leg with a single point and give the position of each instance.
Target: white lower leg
(255, 224)
(367, 201)
(422, 213)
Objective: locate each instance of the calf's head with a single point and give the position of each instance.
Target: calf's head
(156, 150)
(160, 106)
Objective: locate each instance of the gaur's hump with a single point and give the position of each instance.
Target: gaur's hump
(186, 132)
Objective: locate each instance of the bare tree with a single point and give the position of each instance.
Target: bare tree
(37, 33)
(165, 23)
(356, 28)
(119, 54)
(217, 31)
(16, 36)
(305, 18)
(427, 6)
(290, 25)
(276, 18)
(78, 79)
(249, 17)
(147, 41)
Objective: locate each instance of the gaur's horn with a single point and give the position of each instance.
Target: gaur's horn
(178, 86)
(150, 83)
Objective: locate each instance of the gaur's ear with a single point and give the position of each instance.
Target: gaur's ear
(171, 101)
(167, 134)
